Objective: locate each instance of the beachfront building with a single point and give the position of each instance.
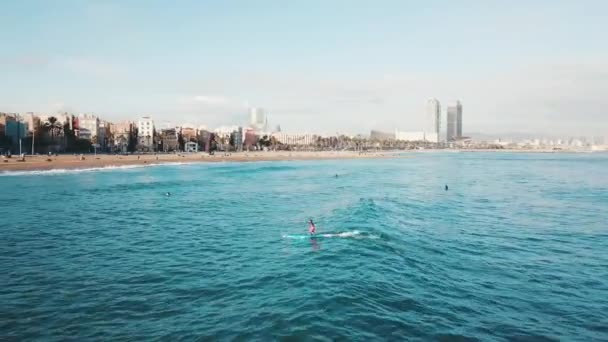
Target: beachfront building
(88, 127)
(4, 119)
(454, 126)
(61, 118)
(123, 134)
(258, 120)
(223, 132)
(410, 136)
(433, 121)
(305, 139)
(67, 120)
(237, 138)
(145, 134)
(169, 140)
(2, 132)
(379, 135)
(204, 140)
(32, 121)
(191, 146)
(229, 138)
(189, 133)
(16, 130)
(104, 136)
(250, 139)
(12, 132)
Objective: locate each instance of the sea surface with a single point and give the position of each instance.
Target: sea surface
(516, 249)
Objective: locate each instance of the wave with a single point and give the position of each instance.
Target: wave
(258, 167)
(83, 170)
(355, 234)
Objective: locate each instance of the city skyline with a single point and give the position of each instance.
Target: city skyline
(436, 120)
(358, 68)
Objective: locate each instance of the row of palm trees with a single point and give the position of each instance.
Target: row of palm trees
(343, 142)
(55, 136)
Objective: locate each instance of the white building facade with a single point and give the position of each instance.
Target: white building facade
(410, 136)
(304, 139)
(191, 147)
(122, 134)
(88, 127)
(145, 132)
(433, 120)
(258, 120)
(32, 121)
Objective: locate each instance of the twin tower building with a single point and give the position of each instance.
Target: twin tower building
(433, 119)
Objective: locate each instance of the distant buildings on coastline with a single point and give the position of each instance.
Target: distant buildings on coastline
(432, 125)
(88, 127)
(87, 132)
(146, 133)
(454, 126)
(295, 139)
(433, 120)
(258, 120)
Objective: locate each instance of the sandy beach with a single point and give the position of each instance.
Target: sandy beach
(35, 163)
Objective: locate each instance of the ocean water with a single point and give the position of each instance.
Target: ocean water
(516, 249)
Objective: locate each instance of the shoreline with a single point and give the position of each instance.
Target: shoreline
(101, 161)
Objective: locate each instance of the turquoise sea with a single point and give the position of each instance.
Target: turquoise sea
(516, 249)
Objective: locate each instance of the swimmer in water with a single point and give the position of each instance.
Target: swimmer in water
(446, 187)
(311, 227)
(168, 194)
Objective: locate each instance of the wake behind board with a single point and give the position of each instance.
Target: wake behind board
(353, 234)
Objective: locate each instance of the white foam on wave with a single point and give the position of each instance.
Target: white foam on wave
(355, 234)
(299, 237)
(83, 170)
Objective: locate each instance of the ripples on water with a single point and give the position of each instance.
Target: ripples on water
(516, 249)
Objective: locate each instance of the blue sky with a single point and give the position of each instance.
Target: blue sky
(325, 66)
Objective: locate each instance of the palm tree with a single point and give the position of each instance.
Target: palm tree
(69, 136)
(53, 126)
(274, 142)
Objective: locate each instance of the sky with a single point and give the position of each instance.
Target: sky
(323, 66)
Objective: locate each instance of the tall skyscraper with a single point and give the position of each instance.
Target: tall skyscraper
(433, 120)
(257, 119)
(454, 130)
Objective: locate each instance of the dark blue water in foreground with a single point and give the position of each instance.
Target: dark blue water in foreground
(516, 249)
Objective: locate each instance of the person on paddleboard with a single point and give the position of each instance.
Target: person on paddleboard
(311, 227)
